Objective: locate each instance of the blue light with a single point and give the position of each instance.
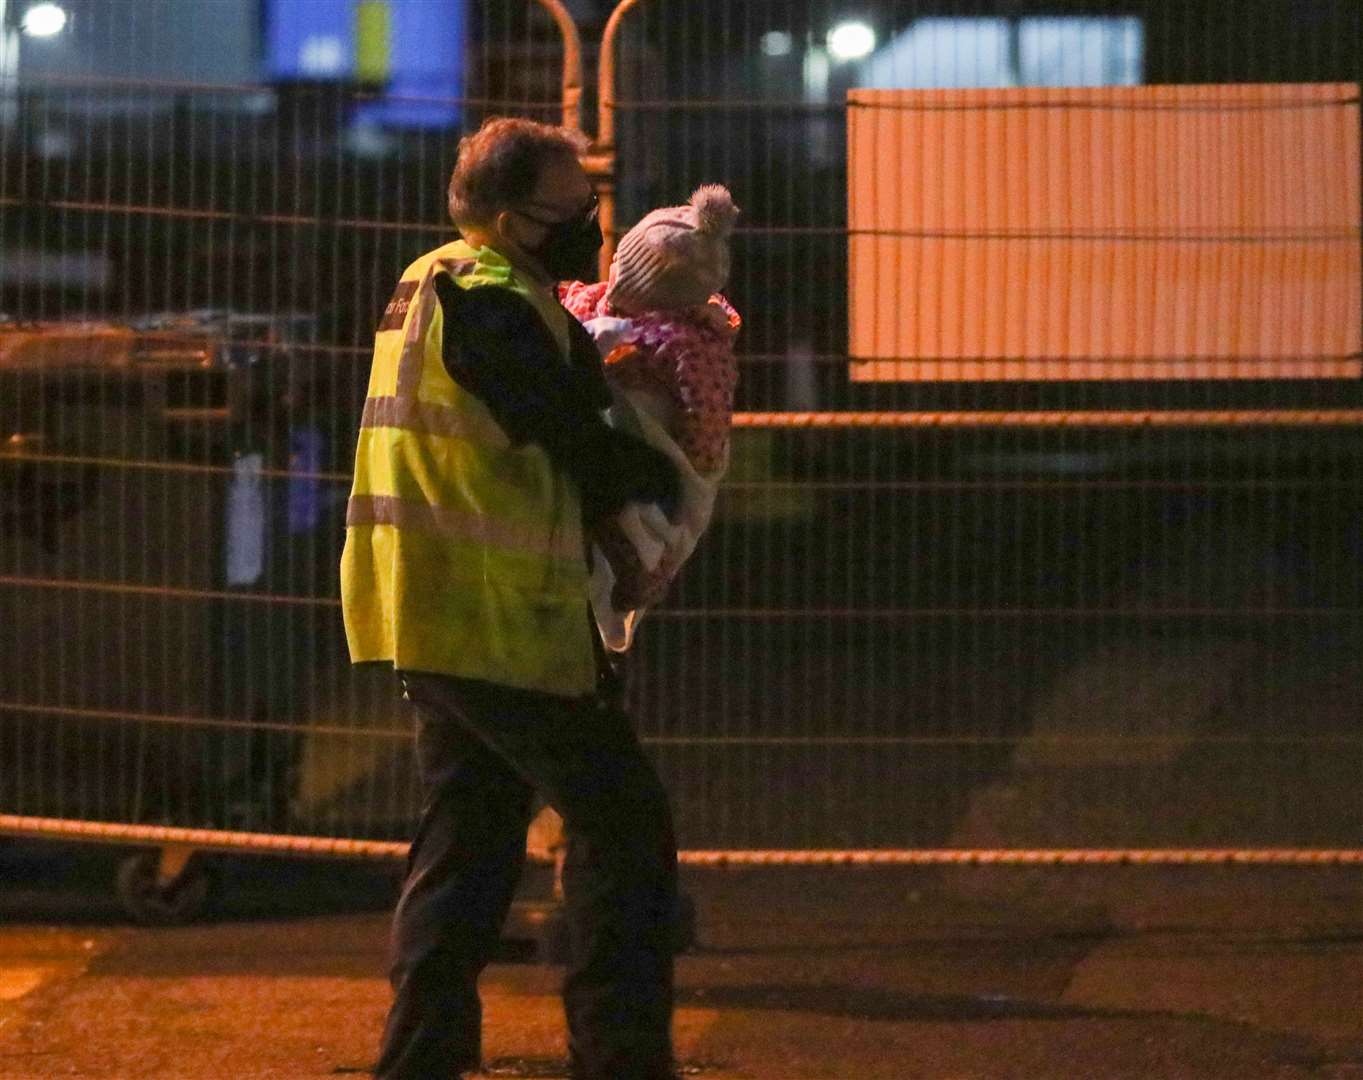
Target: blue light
(310, 39)
(315, 40)
(427, 66)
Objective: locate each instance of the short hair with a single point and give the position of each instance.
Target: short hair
(500, 164)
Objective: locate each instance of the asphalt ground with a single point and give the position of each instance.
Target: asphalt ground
(1211, 972)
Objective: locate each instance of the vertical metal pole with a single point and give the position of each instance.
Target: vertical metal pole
(600, 159)
(605, 124)
(9, 68)
(572, 63)
(600, 163)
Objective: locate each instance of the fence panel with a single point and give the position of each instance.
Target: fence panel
(195, 245)
(1043, 520)
(998, 575)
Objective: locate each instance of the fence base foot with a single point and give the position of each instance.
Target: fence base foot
(164, 888)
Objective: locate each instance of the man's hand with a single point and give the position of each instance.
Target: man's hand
(498, 348)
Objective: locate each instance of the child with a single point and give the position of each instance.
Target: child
(668, 339)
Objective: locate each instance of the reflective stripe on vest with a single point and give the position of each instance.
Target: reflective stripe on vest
(413, 358)
(426, 418)
(457, 525)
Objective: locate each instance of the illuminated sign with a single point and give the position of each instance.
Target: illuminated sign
(412, 49)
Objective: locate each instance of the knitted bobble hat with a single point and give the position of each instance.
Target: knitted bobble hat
(676, 256)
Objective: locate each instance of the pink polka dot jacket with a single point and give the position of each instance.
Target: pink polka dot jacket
(686, 354)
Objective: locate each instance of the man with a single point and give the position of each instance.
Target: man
(482, 457)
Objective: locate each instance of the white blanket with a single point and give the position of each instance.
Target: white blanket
(644, 524)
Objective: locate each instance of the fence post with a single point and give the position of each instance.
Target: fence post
(600, 162)
(9, 67)
(572, 63)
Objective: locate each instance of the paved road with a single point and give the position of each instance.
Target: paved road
(1232, 974)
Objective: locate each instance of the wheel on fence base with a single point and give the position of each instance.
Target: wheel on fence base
(154, 902)
(551, 938)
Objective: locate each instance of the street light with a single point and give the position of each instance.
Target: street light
(851, 40)
(43, 20)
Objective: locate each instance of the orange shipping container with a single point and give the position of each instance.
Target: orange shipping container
(1148, 232)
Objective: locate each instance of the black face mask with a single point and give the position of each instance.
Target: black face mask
(569, 249)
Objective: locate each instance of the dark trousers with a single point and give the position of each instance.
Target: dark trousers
(483, 751)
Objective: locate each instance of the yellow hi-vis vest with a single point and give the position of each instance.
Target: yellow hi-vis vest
(464, 555)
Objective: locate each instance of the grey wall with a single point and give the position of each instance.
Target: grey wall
(214, 41)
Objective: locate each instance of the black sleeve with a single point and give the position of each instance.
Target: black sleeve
(498, 348)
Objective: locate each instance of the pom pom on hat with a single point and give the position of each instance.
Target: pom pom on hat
(715, 210)
(676, 256)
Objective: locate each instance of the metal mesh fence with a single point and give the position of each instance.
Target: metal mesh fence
(1042, 526)
(193, 268)
(1030, 539)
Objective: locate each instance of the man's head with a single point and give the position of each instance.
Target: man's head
(519, 189)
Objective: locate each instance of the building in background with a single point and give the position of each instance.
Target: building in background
(410, 52)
